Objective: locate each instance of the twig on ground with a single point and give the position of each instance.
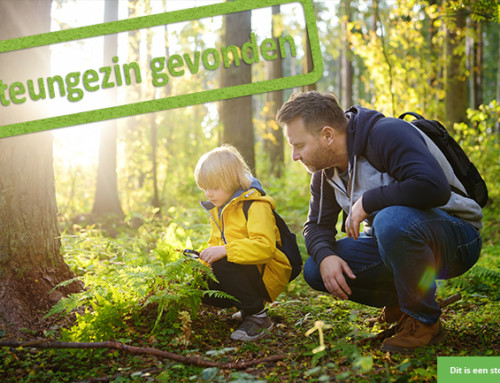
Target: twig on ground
(192, 360)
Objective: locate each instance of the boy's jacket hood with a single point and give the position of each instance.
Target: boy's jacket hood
(255, 191)
(361, 121)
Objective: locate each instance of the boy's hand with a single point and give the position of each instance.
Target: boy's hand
(214, 253)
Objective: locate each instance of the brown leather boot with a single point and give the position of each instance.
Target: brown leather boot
(388, 315)
(411, 334)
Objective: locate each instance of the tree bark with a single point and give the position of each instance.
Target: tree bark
(276, 147)
(435, 69)
(475, 57)
(30, 261)
(456, 83)
(309, 64)
(106, 199)
(497, 121)
(347, 70)
(155, 201)
(236, 113)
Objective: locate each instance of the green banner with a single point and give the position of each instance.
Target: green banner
(19, 93)
(477, 369)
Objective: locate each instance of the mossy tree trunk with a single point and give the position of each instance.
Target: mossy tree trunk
(31, 264)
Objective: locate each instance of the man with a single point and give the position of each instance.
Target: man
(382, 172)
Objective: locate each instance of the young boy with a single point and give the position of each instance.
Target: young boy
(242, 252)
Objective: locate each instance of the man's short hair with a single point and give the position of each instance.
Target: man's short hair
(316, 109)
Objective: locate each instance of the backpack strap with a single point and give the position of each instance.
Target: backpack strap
(413, 114)
(246, 207)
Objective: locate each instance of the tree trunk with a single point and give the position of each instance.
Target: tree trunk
(309, 65)
(276, 148)
(155, 201)
(30, 261)
(456, 85)
(106, 195)
(435, 69)
(497, 121)
(346, 101)
(236, 113)
(475, 58)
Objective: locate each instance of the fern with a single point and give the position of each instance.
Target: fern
(132, 281)
(485, 273)
(479, 278)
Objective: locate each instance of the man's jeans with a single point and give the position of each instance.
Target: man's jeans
(399, 265)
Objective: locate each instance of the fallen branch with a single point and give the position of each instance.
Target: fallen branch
(192, 360)
(392, 330)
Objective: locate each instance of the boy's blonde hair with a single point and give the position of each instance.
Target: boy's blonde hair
(222, 167)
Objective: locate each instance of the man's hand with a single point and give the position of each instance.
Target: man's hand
(212, 254)
(354, 219)
(332, 270)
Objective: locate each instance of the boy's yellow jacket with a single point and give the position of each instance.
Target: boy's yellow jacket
(252, 241)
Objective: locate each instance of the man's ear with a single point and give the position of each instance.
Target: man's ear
(327, 133)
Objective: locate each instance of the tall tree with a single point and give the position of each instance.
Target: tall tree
(475, 58)
(31, 264)
(347, 69)
(106, 199)
(236, 113)
(276, 145)
(430, 32)
(155, 202)
(455, 81)
(309, 64)
(497, 122)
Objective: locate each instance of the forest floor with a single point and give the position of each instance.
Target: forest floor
(472, 326)
(142, 293)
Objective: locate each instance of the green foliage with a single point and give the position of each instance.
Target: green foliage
(402, 64)
(141, 291)
(482, 145)
(482, 281)
(129, 277)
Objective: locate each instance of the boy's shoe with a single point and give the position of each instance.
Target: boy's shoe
(237, 316)
(253, 327)
(411, 334)
(389, 314)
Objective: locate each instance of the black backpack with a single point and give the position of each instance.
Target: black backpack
(288, 242)
(463, 168)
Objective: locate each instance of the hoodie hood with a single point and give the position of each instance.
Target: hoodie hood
(361, 121)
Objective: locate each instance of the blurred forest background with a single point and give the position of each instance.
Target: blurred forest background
(439, 59)
(110, 202)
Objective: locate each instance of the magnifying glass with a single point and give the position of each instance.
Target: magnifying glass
(190, 253)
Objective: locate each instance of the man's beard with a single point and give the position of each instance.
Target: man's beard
(310, 169)
(318, 163)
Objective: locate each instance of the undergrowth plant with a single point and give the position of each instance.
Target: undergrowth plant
(133, 283)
